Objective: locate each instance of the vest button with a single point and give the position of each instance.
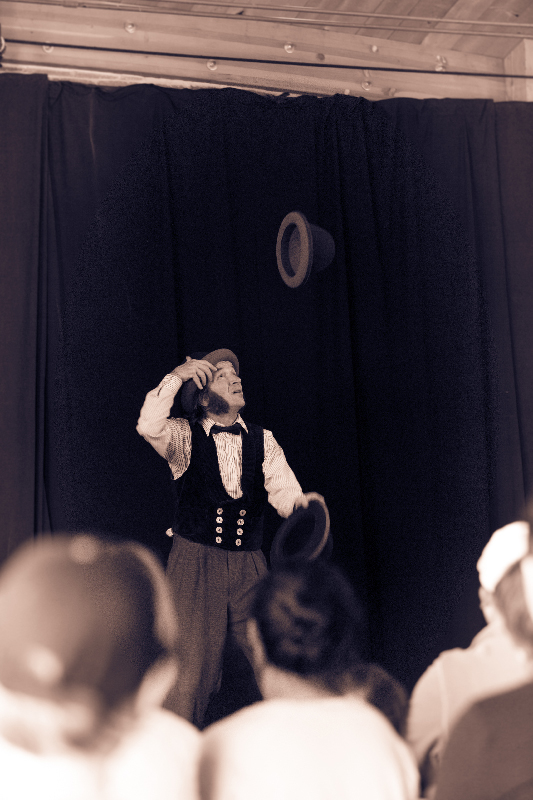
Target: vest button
(219, 520)
(218, 530)
(237, 541)
(240, 522)
(220, 510)
(218, 540)
(242, 512)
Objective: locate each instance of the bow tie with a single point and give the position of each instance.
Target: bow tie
(236, 429)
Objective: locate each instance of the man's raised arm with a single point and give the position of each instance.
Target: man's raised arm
(153, 423)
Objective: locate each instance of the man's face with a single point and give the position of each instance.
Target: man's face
(226, 384)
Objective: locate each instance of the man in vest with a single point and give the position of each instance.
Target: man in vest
(225, 472)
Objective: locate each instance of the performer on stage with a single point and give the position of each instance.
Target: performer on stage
(225, 471)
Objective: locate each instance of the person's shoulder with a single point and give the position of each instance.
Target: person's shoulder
(455, 654)
(250, 724)
(179, 423)
(488, 655)
(162, 718)
(283, 714)
(258, 432)
(239, 719)
(356, 707)
(158, 759)
(456, 657)
(167, 728)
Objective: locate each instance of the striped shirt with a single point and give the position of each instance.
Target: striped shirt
(171, 438)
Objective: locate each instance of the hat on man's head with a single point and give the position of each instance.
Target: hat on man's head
(304, 536)
(505, 547)
(188, 394)
(79, 613)
(302, 248)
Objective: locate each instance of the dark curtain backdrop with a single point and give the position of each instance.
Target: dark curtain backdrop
(139, 224)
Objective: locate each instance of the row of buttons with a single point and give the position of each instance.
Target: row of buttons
(218, 539)
(242, 512)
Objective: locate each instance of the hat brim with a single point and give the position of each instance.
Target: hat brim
(304, 536)
(294, 271)
(189, 391)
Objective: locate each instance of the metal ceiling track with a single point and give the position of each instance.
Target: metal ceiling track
(175, 7)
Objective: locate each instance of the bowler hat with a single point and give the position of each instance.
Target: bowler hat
(188, 393)
(304, 536)
(302, 248)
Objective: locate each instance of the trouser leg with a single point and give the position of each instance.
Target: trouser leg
(198, 578)
(245, 571)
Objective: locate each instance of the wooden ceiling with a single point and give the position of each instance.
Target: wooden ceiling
(375, 48)
(410, 21)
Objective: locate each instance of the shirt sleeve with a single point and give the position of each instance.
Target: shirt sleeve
(170, 437)
(280, 480)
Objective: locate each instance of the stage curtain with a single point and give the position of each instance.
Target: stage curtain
(23, 208)
(481, 152)
(397, 380)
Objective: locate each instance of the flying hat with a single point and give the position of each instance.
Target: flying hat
(302, 248)
(505, 547)
(189, 392)
(79, 613)
(304, 536)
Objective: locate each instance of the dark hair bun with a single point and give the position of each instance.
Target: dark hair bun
(309, 621)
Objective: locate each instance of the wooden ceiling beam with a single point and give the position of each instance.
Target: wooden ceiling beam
(133, 41)
(520, 62)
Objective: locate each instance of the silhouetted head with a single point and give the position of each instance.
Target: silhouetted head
(310, 624)
(82, 622)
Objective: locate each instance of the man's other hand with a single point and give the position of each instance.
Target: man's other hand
(303, 500)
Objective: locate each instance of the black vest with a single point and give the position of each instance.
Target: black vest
(205, 512)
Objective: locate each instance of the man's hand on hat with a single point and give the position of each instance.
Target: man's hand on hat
(303, 500)
(196, 368)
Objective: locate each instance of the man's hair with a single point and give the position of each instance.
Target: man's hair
(199, 411)
(215, 404)
(310, 623)
(509, 598)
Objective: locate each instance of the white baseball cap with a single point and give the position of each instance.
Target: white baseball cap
(505, 547)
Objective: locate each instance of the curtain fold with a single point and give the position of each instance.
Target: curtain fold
(23, 178)
(462, 142)
(397, 380)
(514, 137)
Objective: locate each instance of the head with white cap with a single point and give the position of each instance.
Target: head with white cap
(506, 547)
(513, 593)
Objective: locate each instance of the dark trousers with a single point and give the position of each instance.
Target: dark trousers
(211, 591)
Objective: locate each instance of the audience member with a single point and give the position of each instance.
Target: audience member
(314, 736)
(491, 664)
(86, 629)
(488, 756)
